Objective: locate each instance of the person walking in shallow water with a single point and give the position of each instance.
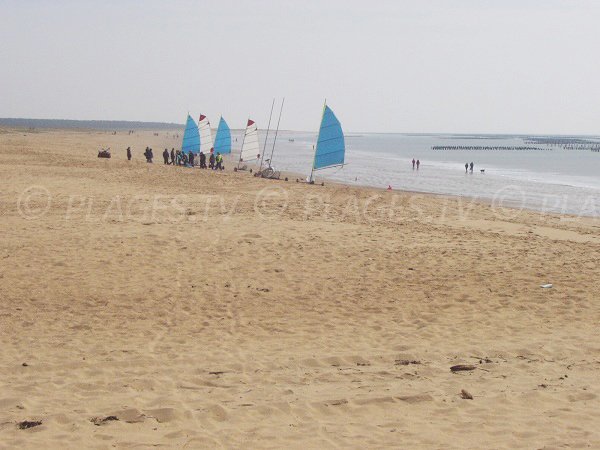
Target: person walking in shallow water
(466, 167)
(418, 164)
(471, 166)
(414, 162)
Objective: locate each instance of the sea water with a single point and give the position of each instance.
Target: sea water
(553, 179)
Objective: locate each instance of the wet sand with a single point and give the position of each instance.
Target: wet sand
(205, 310)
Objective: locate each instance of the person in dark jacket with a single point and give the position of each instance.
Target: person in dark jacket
(202, 160)
(191, 158)
(166, 156)
(148, 154)
(211, 161)
(128, 153)
(173, 156)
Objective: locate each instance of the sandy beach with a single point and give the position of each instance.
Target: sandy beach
(145, 305)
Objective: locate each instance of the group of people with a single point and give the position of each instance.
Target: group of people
(468, 166)
(181, 158)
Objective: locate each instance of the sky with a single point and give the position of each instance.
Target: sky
(407, 66)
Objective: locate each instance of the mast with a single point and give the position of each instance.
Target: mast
(243, 140)
(312, 170)
(277, 130)
(262, 156)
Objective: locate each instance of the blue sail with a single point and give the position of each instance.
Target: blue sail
(223, 138)
(191, 137)
(330, 144)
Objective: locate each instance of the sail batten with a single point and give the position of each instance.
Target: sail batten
(331, 148)
(223, 138)
(191, 137)
(206, 140)
(250, 147)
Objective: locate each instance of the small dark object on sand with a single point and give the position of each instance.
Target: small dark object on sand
(406, 362)
(25, 364)
(462, 367)
(28, 424)
(465, 395)
(102, 420)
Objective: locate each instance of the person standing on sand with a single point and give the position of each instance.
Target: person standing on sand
(172, 156)
(202, 160)
(211, 161)
(166, 156)
(128, 153)
(414, 163)
(418, 164)
(191, 158)
(219, 162)
(148, 154)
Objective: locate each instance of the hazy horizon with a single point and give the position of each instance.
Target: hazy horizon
(135, 124)
(476, 67)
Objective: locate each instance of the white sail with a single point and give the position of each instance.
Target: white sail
(250, 146)
(206, 141)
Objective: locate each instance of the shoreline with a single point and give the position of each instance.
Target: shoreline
(229, 159)
(483, 201)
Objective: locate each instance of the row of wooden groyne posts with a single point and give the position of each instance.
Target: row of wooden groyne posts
(487, 147)
(531, 144)
(567, 143)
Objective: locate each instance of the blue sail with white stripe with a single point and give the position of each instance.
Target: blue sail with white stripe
(331, 147)
(223, 138)
(191, 137)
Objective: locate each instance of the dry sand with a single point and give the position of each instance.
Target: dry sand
(209, 310)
